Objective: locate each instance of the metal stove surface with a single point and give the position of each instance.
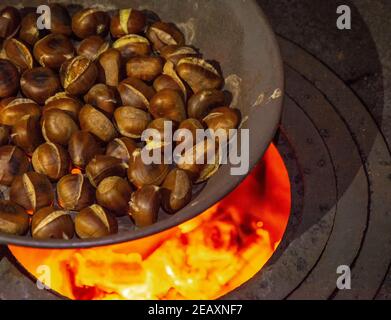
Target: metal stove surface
(334, 138)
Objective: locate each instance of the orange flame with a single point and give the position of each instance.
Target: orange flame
(204, 258)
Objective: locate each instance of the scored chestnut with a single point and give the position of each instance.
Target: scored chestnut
(26, 133)
(95, 222)
(168, 104)
(223, 118)
(201, 103)
(78, 75)
(75, 192)
(102, 97)
(144, 68)
(114, 193)
(164, 81)
(58, 126)
(52, 223)
(53, 50)
(162, 34)
(127, 21)
(132, 45)
(92, 47)
(17, 52)
(39, 84)
(14, 163)
(29, 31)
(131, 122)
(82, 147)
(9, 22)
(32, 191)
(9, 79)
(52, 160)
(110, 67)
(169, 70)
(65, 102)
(4, 135)
(60, 20)
(176, 191)
(102, 166)
(121, 148)
(135, 93)
(144, 206)
(94, 121)
(13, 219)
(159, 141)
(175, 53)
(13, 109)
(190, 125)
(90, 22)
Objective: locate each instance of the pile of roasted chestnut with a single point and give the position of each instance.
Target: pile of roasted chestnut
(75, 100)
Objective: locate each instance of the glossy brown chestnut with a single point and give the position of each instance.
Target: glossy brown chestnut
(60, 20)
(169, 70)
(224, 118)
(52, 223)
(92, 47)
(110, 67)
(75, 192)
(101, 167)
(58, 126)
(9, 22)
(127, 21)
(102, 97)
(144, 68)
(13, 219)
(14, 162)
(159, 141)
(175, 53)
(114, 193)
(94, 121)
(165, 82)
(82, 147)
(13, 109)
(65, 102)
(168, 104)
(131, 122)
(4, 135)
(29, 31)
(144, 206)
(53, 50)
(132, 45)
(26, 133)
(17, 52)
(141, 174)
(32, 191)
(201, 103)
(176, 191)
(9, 79)
(39, 84)
(135, 93)
(90, 22)
(199, 74)
(95, 222)
(192, 125)
(162, 34)
(52, 160)
(78, 75)
(121, 148)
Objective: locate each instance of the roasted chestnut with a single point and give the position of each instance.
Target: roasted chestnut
(159, 125)
(4, 135)
(224, 118)
(162, 34)
(75, 192)
(9, 79)
(168, 104)
(58, 126)
(144, 68)
(13, 219)
(78, 75)
(92, 47)
(144, 206)
(121, 148)
(132, 45)
(169, 70)
(52, 160)
(166, 82)
(109, 67)
(95, 222)
(114, 193)
(9, 22)
(32, 191)
(201, 103)
(29, 31)
(13, 109)
(53, 50)
(175, 53)
(14, 163)
(82, 147)
(102, 97)
(199, 74)
(135, 93)
(26, 133)
(90, 22)
(65, 102)
(141, 174)
(17, 52)
(60, 20)
(94, 121)
(39, 84)
(101, 167)
(192, 125)
(127, 21)
(176, 191)
(131, 122)
(52, 223)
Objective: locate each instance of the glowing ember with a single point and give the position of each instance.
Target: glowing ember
(204, 258)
